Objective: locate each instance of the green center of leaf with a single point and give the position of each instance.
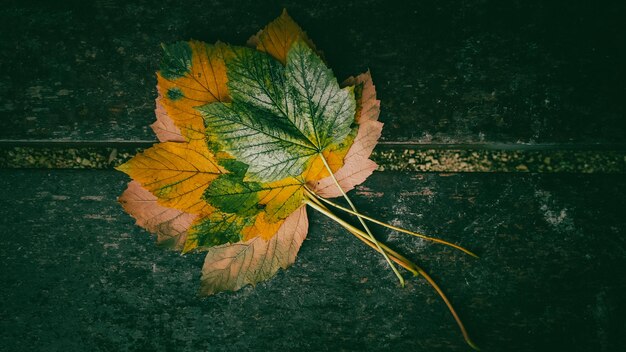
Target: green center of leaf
(280, 116)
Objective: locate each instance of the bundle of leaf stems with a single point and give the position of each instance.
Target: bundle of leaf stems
(319, 203)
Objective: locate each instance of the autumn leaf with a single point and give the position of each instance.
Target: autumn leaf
(276, 200)
(231, 267)
(192, 74)
(357, 165)
(278, 36)
(176, 173)
(249, 138)
(169, 224)
(280, 116)
(244, 209)
(164, 127)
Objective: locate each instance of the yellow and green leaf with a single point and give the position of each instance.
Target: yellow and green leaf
(215, 229)
(176, 173)
(244, 210)
(243, 131)
(281, 117)
(278, 36)
(192, 74)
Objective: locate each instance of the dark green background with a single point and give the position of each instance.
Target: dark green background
(447, 71)
(78, 275)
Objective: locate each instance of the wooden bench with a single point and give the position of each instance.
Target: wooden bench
(504, 129)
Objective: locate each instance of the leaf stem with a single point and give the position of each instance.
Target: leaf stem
(399, 229)
(434, 285)
(404, 262)
(369, 232)
(396, 257)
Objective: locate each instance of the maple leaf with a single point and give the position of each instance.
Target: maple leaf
(357, 165)
(176, 173)
(278, 36)
(192, 74)
(249, 137)
(280, 116)
(230, 267)
(169, 224)
(164, 127)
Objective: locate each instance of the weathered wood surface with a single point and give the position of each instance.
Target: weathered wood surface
(447, 72)
(388, 158)
(78, 275)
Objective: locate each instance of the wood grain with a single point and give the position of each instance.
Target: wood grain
(79, 275)
(446, 72)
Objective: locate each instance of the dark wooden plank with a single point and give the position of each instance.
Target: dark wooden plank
(78, 275)
(447, 72)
